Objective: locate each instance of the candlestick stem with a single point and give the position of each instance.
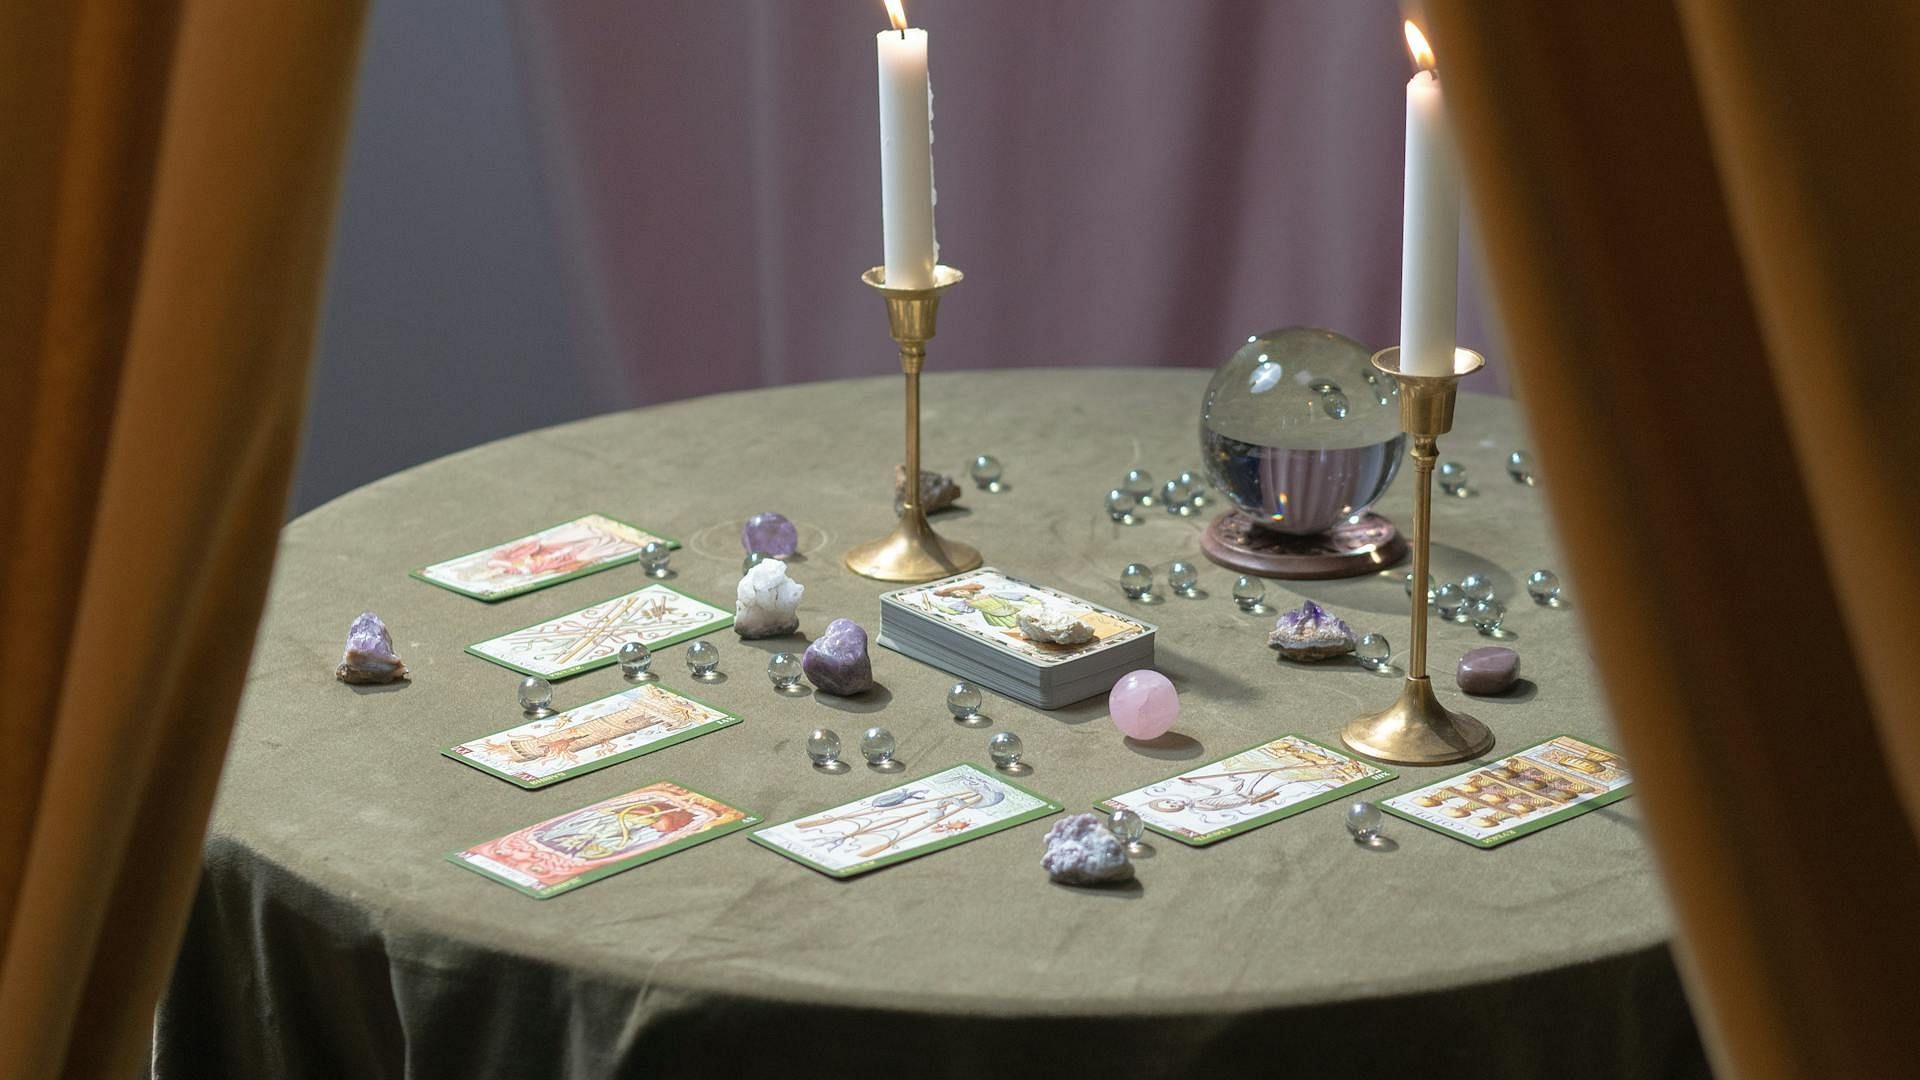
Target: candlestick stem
(1426, 450)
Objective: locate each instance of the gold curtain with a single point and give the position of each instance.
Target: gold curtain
(1700, 227)
(167, 173)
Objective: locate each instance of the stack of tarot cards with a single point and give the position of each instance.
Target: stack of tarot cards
(969, 625)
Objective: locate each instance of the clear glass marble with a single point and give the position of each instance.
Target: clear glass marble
(1450, 602)
(1520, 467)
(1136, 581)
(1374, 652)
(1476, 587)
(1005, 749)
(1333, 400)
(1453, 479)
(1176, 496)
(1120, 505)
(876, 745)
(1430, 587)
(703, 659)
(1182, 578)
(1139, 483)
(783, 668)
(964, 700)
(1127, 826)
(823, 747)
(536, 695)
(985, 470)
(753, 559)
(636, 660)
(1544, 587)
(1249, 592)
(653, 558)
(1364, 821)
(1487, 615)
(1196, 489)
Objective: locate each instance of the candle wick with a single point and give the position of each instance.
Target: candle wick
(903, 33)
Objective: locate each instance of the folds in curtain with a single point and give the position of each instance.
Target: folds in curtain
(166, 182)
(1699, 221)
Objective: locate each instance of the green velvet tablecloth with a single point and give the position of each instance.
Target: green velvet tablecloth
(332, 939)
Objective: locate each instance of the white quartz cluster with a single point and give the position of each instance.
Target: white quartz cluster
(767, 601)
(1055, 625)
(1081, 850)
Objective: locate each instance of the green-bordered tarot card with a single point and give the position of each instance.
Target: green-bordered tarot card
(1543, 785)
(578, 641)
(589, 737)
(1255, 787)
(905, 822)
(571, 549)
(563, 853)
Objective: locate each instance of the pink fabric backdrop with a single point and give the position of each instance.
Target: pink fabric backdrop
(1127, 182)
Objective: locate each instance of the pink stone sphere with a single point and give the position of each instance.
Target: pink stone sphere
(1144, 704)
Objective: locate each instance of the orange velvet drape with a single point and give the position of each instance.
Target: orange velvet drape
(1700, 225)
(167, 172)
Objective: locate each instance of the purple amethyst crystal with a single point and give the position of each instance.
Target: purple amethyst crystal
(1490, 669)
(1311, 632)
(369, 657)
(770, 534)
(837, 661)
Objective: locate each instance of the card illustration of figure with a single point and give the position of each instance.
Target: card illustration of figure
(905, 822)
(986, 604)
(593, 842)
(590, 737)
(582, 640)
(1542, 785)
(563, 552)
(1290, 775)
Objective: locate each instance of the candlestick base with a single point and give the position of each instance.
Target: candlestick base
(912, 552)
(1418, 730)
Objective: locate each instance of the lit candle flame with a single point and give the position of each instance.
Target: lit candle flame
(898, 14)
(1416, 42)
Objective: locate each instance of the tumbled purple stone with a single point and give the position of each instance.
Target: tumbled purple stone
(837, 662)
(369, 655)
(1311, 632)
(770, 534)
(1490, 669)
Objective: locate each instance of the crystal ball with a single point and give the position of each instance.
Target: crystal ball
(1127, 826)
(1544, 587)
(1453, 478)
(1004, 748)
(1139, 483)
(1183, 578)
(703, 659)
(1374, 652)
(1299, 431)
(653, 558)
(1144, 705)
(1136, 580)
(964, 700)
(635, 658)
(784, 669)
(536, 694)
(985, 470)
(770, 534)
(1450, 602)
(1120, 504)
(1476, 587)
(1520, 467)
(1249, 592)
(876, 745)
(1364, 820)
(823, 746)
(1487, 615)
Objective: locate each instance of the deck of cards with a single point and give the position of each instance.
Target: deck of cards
(1028, 642)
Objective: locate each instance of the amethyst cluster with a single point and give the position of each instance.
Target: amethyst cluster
(1311, 632)
(369, 656)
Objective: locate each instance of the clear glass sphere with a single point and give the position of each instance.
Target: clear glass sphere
(1139, 483)
(783, 668)
(1136, 580)
(753, 559)
(823, 746)
(1293, 433)
(635, 659)
(1120, 504)
(1196, 488)
(1453, 478)
(1364, 821)
(1004, 748)
(703, 659)
(654, 556)
(536, 694)
(1374, 652)
(1175, 496)
(964, 700)
(1520, 467)
(985, 470)
(1430, 586)
(1249, 592)
(1487, 615)
(1476, 587)
(1450, 602)
(1544, 587)
(1127, 826)
(1183, 578)
(876, 745)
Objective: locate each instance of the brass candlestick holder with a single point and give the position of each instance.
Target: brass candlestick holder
(912, 552)
(1417, 729)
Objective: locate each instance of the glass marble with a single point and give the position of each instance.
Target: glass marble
(635, 659)
(784, 669)
(1196, 489)
(753, 559)
(1520, 467)
(1453, 478)
(1333, 400)
(1364, 821)
(703, 659)
(1127, 826)
(653, 558)
(1004, 748)
(1430, 587)
(1136, 581)
(1544, 587)
(1450, 602)
(1374, 652)
(536, 695)
(876, 745)
(1249, 592)
(1139, 483)
(985, 470)
(823, 747)
(1487, 615)
(1176, 496)
(1183, 578)
(1476, 587)
(964, 700)
(1120, 504)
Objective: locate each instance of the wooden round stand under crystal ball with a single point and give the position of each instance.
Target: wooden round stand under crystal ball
(1362, 544)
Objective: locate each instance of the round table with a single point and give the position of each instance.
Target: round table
(332, 938)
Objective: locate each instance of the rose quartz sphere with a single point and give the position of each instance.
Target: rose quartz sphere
(1144, 704)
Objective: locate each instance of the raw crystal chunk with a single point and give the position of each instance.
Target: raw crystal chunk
(1490, 669)
(369, 654)
(766, 603)
(1055, 625)
(1311, 632)
(837, 661)
(936, 491)
(1081, 850)
(770, 534)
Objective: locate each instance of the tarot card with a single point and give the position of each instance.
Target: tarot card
(905, 822)
(596, 841)
(1255, 787)
(578, 641)
(985, 605)
(1543, 785)
(571, 549)
(593, 736)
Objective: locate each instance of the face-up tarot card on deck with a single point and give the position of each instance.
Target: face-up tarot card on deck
(984, 606)
(582, 640)
(571, 549)
(905, 822)
(1255, 787)
(635, 721)
(566, 852)
(1542, 785)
